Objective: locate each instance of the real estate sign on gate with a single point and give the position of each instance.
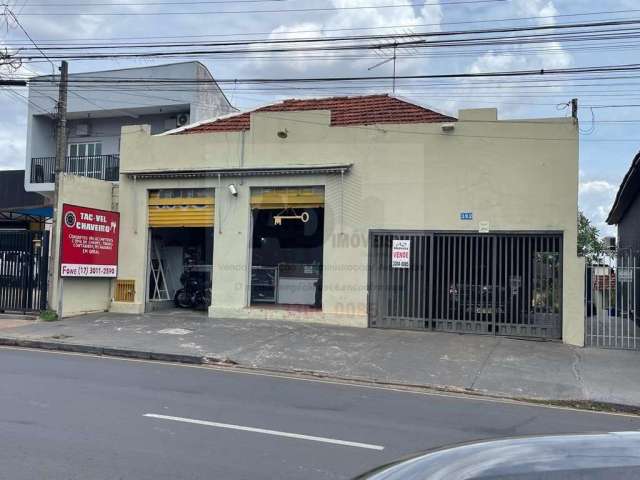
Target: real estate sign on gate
(89, 242)
(400, 253)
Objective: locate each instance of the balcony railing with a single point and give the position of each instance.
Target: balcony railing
(101, 167)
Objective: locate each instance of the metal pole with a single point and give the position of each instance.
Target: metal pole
(635, 313)
(61, 153)
(395, 46)
(588, 323)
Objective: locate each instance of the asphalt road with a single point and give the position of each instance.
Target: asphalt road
(81, 417)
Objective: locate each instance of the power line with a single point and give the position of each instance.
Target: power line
(244, 12)
(26, 100)
(495, 41)
(12, 83)
(288, 32)
(127, 4)
(387, 37)
(516, 73)
(15, 19)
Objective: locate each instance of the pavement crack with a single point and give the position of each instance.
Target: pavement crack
(576, 367)
(484, 363)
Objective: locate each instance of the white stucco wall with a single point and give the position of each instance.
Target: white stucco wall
(516, 175)
(80, 295)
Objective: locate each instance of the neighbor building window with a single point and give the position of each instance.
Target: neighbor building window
(85, 149)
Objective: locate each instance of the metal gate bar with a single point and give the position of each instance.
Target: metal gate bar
(611, 300)
(499, 283)
(23, 270)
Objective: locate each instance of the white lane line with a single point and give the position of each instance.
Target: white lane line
(266, 432)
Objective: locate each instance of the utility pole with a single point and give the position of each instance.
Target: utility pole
(61, 154)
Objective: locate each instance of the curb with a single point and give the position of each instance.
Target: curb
(18, 316)
(111, 352)
(584, 405)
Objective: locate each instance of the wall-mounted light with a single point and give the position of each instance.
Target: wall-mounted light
(283, 134)
(233, 190)
(448, 127)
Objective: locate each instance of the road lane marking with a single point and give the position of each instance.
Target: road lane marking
(266, 432)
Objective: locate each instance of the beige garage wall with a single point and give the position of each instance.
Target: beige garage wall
(80, 295)
(515, 175)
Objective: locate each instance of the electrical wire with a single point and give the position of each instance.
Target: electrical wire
(593, 70)
(324, 30)
(261, 11)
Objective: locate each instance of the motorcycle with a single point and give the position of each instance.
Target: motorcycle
(196, 290)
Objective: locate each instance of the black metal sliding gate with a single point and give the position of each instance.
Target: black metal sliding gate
(498, 283)
(23, 270)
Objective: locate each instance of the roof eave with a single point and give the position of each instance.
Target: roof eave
(621, 203)
(243, 172)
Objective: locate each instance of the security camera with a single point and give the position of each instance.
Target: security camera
(233, 190)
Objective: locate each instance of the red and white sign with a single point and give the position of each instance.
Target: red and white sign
(400, 253)
(89, 243)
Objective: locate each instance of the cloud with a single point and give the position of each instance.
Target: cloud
(536, 8)
(353, 21)
(596, 198)
(550, 55)
(598, 186)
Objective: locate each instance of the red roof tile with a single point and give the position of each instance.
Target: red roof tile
(364, 110)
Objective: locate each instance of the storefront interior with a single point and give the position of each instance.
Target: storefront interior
(286, 253)
(180, 248)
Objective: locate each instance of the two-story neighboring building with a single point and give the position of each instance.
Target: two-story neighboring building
(363, 211)
(101, 103)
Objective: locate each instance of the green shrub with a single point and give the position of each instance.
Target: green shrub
(48, 316)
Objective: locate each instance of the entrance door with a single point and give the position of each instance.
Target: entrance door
(286, 247)
(501, 284)
(23, 270)
(180, 256)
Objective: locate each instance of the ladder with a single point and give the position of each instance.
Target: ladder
(160, 291)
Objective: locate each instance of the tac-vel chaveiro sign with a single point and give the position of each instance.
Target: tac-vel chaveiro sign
(89, 242)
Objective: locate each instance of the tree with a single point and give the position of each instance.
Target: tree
(589, 244)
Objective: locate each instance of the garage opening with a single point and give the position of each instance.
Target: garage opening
(286, 248)
(501, 284)
(180, 248)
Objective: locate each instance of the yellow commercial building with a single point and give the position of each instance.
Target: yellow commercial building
(364, 211)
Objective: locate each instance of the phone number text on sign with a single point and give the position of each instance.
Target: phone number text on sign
(401, 253)
(71, 270)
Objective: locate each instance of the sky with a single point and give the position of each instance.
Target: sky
(607, 138)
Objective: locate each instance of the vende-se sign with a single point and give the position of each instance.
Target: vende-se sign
(400, 253)
(89, 243)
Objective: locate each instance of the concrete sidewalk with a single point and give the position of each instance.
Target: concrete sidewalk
(482, 364)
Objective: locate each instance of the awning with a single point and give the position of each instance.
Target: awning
(287, 197)
(181, 211)
(243, 172)
(35, 214)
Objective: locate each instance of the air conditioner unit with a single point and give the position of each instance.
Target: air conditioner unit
(82, 130)
(182, 119)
